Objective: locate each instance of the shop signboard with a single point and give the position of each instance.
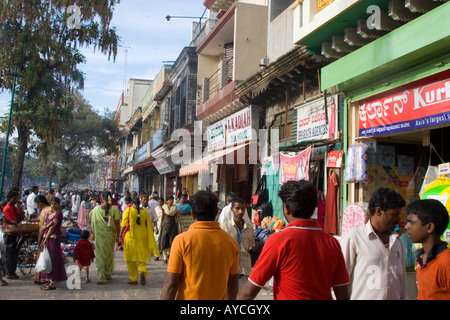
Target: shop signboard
(216, 135)
(164, 165)
(239, 127)
(419, 105)
(143, 152)
(113, 169)
(312, 122)
(158, 137)
(295, 167)
(235, 129)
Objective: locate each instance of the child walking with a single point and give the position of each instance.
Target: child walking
(84, 253)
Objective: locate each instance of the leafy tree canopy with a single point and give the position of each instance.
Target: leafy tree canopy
(37, 39)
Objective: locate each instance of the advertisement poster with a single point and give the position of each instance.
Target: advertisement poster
(295, 167)
(410, 107)
(335, 159)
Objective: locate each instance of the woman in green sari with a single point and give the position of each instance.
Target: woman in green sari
(105, 225)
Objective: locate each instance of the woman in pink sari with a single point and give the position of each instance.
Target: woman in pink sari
(83, 213)
(52, 240)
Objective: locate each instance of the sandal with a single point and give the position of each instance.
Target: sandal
(132, 282)
(48, 287)
(3, 283)
(143, 280)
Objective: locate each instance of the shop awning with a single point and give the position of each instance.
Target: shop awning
(202, 164)
(143, 165)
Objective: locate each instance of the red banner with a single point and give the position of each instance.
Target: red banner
(295, 167)
(419, 105)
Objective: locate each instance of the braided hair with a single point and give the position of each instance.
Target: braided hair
(137, 202)
(106, 196)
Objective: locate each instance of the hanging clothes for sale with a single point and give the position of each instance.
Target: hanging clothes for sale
(330, 222)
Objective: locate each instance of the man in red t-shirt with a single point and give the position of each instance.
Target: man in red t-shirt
(12, 216)
(304, 261)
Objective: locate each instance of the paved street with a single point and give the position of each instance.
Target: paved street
(116, 289)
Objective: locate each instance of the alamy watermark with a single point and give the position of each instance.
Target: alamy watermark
(73, 277)
(74, 21)
(374, 21)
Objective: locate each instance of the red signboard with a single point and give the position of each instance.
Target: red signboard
(334, 159)
(422, 104)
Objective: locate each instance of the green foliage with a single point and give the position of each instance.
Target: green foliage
(72, 156)
(35, 37)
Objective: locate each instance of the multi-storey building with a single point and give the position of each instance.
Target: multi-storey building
(129, 118)
(230, 53)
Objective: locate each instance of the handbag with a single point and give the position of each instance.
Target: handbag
(261, 194)
(44, 263)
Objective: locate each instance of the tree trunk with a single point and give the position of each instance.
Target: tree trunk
(22, 148)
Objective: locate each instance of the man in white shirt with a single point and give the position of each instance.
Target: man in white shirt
(242, 232)
(227, 214)
(76, 201)
(32, 208)
(151, 210)
(373, 252)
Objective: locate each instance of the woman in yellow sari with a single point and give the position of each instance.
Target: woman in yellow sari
(139, 241)
(105, 226)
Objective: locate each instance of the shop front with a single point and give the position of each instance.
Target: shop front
(402, 131)
(396, 117)
(315, 135)
(396, 107)
(229, 159)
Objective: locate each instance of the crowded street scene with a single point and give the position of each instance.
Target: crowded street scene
(249, 150)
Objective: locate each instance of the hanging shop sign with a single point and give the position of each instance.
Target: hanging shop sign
(410, 107)
(312, 122)
(295, 167)
(113, 169)
(335, 159)
(164, 165)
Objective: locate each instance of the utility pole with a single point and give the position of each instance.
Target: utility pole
(7, 135)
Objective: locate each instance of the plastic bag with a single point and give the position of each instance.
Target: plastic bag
(356, 163)
(2, 243)
(44, 263)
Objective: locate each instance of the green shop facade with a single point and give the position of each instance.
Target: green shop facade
(396, 94)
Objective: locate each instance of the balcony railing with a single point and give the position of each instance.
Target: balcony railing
(211, 85)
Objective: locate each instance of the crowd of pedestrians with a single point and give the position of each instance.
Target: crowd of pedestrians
(206, 258)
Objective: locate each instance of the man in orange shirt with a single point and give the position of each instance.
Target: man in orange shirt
(203, 261)
(426, 222)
